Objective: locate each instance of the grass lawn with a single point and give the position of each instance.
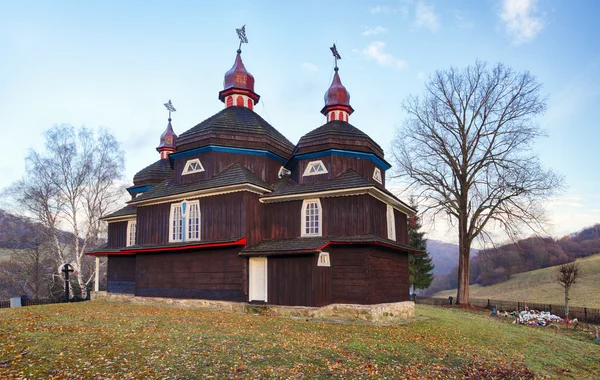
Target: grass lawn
(540, 286)
(99, 339)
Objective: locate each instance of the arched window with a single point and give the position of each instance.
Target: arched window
(250, 104)
(311, 218)
(240, 101)
(184, 221)
(340, 116)
(332, 114)
(229, 101)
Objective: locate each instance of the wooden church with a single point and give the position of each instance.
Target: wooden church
(232, 210)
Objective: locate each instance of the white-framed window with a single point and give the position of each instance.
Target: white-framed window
(176, 223)
(311, 218)
(391, 223)
(314, 168)
(184, 223)
(377, 175)
(283, 172)
(324, 260)
(193, 221)
(131, 228)
(192, 166)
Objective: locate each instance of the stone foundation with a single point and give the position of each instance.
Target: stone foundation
(379, 313)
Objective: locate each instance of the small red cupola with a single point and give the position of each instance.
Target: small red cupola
(238, 86)
(167, 142)
(337, 100)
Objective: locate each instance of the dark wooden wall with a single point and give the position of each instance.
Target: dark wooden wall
(348, 274)
(282, 220)
(336, 165)
(213, 163)
(298, 281)
(217, 274)
(388, 276)
(120, 274)
(222, 217)
(254, 214)
(117, 234)
(401, 227)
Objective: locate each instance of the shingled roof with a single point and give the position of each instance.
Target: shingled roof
(347, 180)
(154, 173)
(236, 127)
(125, 211)
(234, 174)
(304, 245)
(338, 134)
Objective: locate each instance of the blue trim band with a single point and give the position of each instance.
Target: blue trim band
(226, 149)
(138, 189)
(346, 153)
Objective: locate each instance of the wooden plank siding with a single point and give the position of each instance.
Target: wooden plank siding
(298, 281)
(348, 274)
(213, 163)
(387, 276)
(221, 216)
(216, 274)
(282, 220)
(117, 234)
(120, 274)
(401, 221)
(335, 166)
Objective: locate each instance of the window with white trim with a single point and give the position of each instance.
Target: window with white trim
(131, 227)
(184, 223)
(192, 166)
(193, 221)
(377, 175)
(314, 168)
(391, 223)
(311, 218)
(324, 260)
(283, 172)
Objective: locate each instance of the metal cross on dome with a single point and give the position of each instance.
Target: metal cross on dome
(241, 32)
(170, 107)
(336, 55)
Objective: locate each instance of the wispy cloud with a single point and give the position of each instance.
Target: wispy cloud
(373, 31)
(376, 51)
(461, 21)
(521, 20)
(402, 9)
(426, 17)
(310, 67)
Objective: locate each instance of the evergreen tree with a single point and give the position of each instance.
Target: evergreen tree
(420, 266)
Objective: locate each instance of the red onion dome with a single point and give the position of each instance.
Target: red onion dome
(337, 97)
(238, 81)
(168, 139)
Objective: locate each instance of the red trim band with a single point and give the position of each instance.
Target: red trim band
(125, 251)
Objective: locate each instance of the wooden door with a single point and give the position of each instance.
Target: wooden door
(258, 279)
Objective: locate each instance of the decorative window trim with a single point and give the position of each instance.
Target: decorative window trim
(130, 239)
(283, 172)
(193, 227)
(179, 219)
(377, 175)
(324, 260)
(391, 223)
(188, 170)
(317, 227)
(319, 168)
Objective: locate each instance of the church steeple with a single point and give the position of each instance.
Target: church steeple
(337, 98)
(168, 139)
(238, 84)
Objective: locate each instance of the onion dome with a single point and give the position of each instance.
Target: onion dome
(168, 141)
(337, 100)
(338, 134)
(238, 86)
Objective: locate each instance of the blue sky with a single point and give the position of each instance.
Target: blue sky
(114, 64)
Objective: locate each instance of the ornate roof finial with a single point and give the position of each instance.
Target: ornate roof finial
(241, 32)
(168, 139)
(170, 107)
(336, 56)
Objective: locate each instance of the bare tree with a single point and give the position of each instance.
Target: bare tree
(465, 151)
(69, 187)
(567, 276)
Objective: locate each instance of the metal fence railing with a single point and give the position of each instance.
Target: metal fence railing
(583, 314)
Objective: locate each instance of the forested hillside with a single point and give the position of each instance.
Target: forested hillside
(492, 266)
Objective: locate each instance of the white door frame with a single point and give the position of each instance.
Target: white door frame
(255, 289)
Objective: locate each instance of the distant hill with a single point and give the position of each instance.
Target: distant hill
(540, 286)
(18, 232)
(444, 255)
